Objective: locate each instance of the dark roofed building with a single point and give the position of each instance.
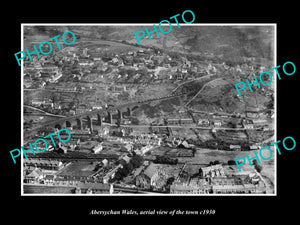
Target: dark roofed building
(34, 176)
(44, 164)
(94, 188)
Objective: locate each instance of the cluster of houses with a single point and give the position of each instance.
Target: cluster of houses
(214, 180)
(114, 66)
(55, 172)
(149, 176)
(159, 66)
(38, 77)
(36, 170)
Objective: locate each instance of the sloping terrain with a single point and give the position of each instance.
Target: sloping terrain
(229, 41)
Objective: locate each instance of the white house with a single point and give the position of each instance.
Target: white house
(98, 148)
(217, 123)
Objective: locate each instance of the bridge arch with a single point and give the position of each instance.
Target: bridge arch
(135, 107)
(99, 119)
(119, 112)
(58, 126)
(108, 117)
(128, 112)
(68, 124)
(89, 123)
(79, 123)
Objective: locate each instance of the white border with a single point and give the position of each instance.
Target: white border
(151, 24)
(22, 110)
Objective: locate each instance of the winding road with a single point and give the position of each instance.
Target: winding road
(44, 112)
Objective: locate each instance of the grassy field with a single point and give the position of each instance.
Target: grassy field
(81, 168)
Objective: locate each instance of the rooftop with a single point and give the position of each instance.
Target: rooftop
(42, 161)
(150, 171)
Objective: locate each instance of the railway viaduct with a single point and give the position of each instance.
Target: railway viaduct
(110, 115)
(87, 119)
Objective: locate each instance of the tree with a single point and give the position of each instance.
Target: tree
(258, 168)
(128, 168)
(123, 172)
(216, 162)
(136, 161)
(170, 180)
(256, 165)
(71, 105)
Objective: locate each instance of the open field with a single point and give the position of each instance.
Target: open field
(82, 168)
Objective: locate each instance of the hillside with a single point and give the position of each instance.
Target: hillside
(230, 41)
(226, 41)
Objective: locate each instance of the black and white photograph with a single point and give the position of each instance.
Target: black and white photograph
(159, 117)
(145, 112)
